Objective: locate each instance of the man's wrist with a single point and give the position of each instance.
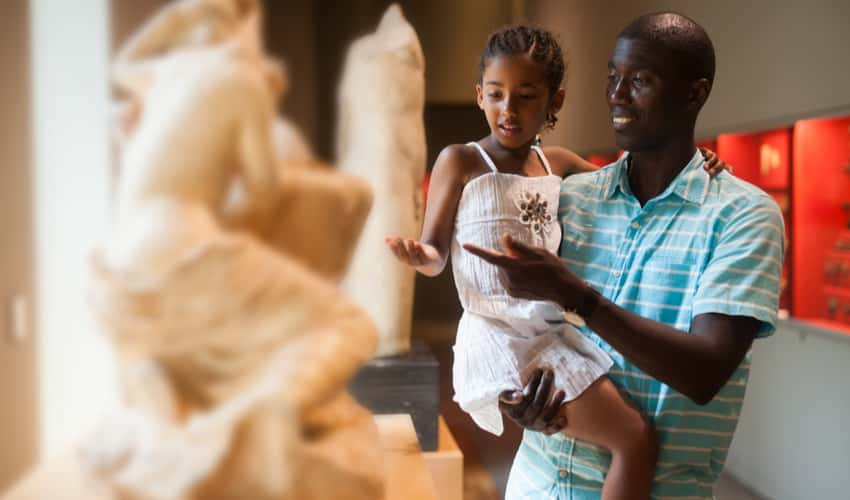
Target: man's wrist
(590, 301)
(578, 312)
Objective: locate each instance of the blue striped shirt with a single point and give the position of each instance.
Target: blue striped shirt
(705, 245)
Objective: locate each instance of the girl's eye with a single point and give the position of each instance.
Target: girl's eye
(637, 80)
(494, 95)
(528, 96)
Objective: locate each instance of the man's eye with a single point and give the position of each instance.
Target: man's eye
(528, 96)
(494, 95)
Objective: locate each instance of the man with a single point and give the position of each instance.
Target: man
(673, 272)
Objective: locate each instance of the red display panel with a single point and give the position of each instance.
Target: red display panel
(601, 160)
(708, 144)
(821, 211)
(761, 158)
(764, 159)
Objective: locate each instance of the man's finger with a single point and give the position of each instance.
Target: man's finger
(528, 394)
(495, 258)
(552, 408)
(511, 397)
(542, 395)
(515, 247)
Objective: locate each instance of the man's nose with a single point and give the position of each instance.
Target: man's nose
(617, 90)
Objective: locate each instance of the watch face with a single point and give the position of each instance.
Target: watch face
(573, 318)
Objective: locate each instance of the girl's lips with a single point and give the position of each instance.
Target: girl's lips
(509, 129)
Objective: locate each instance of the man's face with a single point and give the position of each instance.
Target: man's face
(648, 101)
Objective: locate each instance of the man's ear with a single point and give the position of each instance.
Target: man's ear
(479, 96)
(557, 101)
(700, 89)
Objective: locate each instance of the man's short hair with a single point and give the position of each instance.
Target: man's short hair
(690, 45)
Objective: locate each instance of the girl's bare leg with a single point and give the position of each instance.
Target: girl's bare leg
(602, 415)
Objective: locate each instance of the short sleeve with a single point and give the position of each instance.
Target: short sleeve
(743, 275)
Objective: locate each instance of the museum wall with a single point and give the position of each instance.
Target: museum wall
(18, 394)
(777, 61)
(312, 37)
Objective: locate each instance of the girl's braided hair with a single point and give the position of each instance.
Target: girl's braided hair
(538, 43)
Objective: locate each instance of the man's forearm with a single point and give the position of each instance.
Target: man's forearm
(695, 365)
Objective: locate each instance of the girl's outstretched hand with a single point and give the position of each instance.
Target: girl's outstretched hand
(414, 253)
(713, 164)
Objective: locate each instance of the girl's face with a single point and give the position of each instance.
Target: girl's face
(515, 99)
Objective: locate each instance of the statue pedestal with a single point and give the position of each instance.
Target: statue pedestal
(406, 383)
(446, 465)
(405, 468)
(409, 473)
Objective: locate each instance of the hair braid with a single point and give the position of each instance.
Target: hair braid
(539, 44)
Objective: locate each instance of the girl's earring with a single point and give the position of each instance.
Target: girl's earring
(538, 139)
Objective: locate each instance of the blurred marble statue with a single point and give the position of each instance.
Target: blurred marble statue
(234, 350)
(381, 138)
(196, 23)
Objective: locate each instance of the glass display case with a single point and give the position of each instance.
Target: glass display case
(764, 159)
(603, 159)
(821, 212)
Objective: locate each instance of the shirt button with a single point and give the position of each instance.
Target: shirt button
(616, 274)
(563, 473)
(635, 225)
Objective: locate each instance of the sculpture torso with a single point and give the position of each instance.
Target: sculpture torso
(202, 123)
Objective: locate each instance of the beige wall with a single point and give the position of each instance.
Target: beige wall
(452, 34)
(18, 390)
(778, 60)
(312, 37)
(586, 29)
(127, 16)
(290, 35)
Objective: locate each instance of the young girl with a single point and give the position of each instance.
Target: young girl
(504, 183)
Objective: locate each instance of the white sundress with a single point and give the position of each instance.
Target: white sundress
(502, 339)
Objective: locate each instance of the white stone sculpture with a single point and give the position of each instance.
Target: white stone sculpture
(234, 354)
(381, 138)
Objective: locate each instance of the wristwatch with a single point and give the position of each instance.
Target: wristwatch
(572, 317)
(577, 316)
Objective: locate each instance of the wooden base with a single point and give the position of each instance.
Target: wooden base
(446, 465)
(406, 471)
(405, 384)
(410, 474)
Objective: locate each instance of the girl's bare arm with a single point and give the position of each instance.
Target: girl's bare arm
(564, 162)
(429, 254)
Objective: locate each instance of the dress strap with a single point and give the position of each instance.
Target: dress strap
(484, 155)
(542, 159)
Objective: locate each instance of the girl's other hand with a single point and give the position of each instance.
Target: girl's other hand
(713, 164)
(413, 253)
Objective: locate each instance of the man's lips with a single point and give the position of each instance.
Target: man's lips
(621, 121)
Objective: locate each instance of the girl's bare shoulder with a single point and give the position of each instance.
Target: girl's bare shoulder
(460, 161)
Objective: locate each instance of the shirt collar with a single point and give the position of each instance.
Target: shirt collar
(691, 184)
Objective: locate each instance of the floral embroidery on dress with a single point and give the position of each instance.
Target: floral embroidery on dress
(534, 213)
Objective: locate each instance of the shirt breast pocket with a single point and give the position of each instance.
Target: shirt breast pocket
(667, 282)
